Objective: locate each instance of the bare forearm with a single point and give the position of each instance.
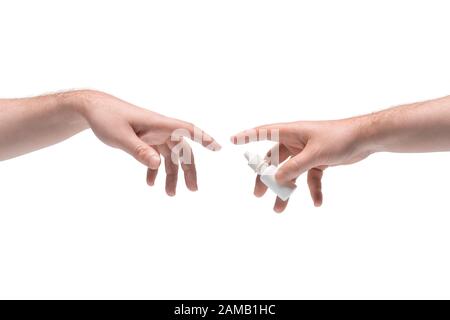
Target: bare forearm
(33, 123)
(418, 127)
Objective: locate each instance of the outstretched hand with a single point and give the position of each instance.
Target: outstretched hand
(146, 136)
(307, 146)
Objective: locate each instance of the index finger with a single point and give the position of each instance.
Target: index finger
(185, 129)
(262, 133)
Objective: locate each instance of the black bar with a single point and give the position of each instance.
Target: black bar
(222, 309)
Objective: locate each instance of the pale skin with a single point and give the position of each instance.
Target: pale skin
(30, 124)
(312, 146)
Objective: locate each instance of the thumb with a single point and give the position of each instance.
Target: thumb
(295, 166)
(141, 151)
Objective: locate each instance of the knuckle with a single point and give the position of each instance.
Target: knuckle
(317, 154)
(140, 151)
(281, 174)
(296, 163)
(190, 127)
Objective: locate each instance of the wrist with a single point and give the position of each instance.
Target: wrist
(372, 133)
(76, 102)
(79, 102)
(362, 135)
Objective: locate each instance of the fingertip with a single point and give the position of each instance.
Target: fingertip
(193, 188)
(154, 162)
(281, 176)
(171, 193)
(215, 146)
(151, 177)
(278, 209)
(209, 143)
(257, 194)
(318, 200)
(280, 205)
(259, 191)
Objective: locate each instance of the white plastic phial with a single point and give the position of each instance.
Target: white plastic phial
(267, 175)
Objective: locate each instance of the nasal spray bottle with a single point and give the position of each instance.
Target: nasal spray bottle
(267, 175)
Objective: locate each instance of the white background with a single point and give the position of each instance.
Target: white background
(78, 221)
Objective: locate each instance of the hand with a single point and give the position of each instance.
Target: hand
(145, 135)
(308, 146)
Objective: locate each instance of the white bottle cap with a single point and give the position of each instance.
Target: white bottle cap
(267, 175)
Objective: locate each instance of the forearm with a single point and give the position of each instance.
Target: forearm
(33, 123)
(418, 127)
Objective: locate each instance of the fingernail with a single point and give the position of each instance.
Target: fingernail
(258, 195)
(192, 186)
(277, 210)
(154, 161)
(216, 146)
